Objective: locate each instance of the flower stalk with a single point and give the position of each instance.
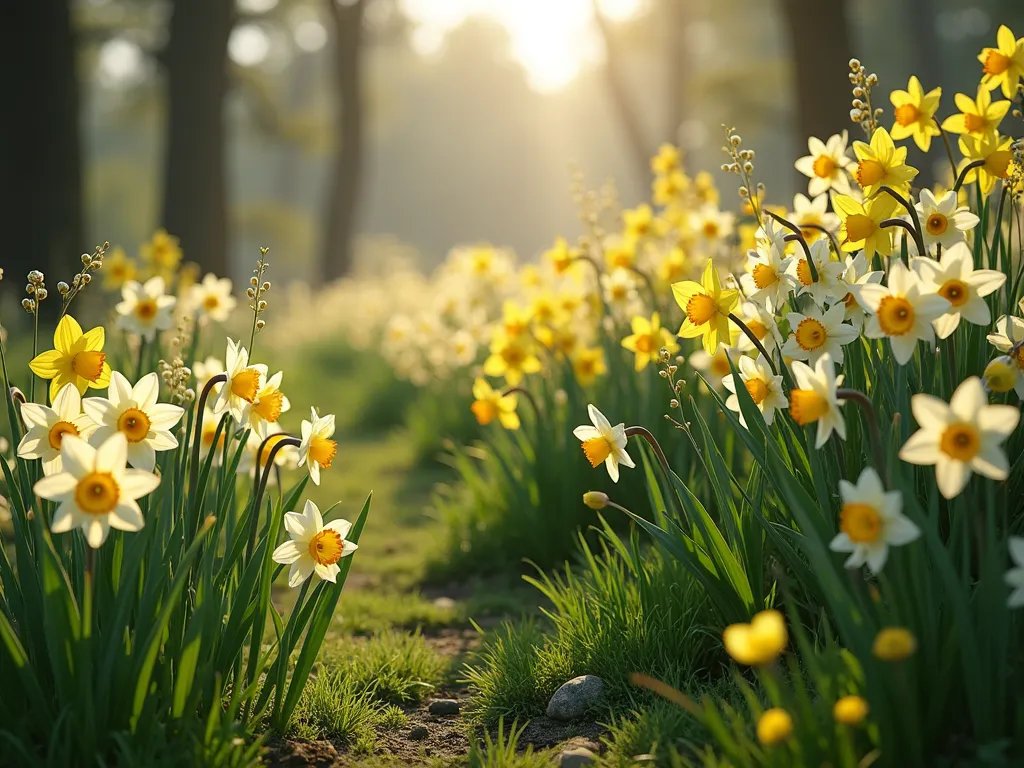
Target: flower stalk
(871, 417)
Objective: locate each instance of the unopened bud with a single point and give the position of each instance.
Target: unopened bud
(1000, 374)
(41, 294)
(596, 499)
(63, 288)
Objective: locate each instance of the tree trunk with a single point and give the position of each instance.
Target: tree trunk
(195, 185)
(347, 165)
(40, 152)
(820, 42)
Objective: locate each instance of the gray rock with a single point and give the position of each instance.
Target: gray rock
(419, 733)
(443, 707)
(575, 758)
(573, 699)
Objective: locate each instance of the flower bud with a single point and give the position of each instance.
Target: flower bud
(1000, 374)
(63, 288)
(596, 499)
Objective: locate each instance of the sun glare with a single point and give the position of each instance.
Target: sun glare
(552, 42)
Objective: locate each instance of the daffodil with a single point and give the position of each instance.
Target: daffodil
(512, 358)
(673, 267)
(666, 161)
(243, 384)
(860, 227)
(145, 309)
(815, 399)
(767, 279)
(712, 225)
(118, 269)
(764, 387)
(1009, 338)
(47, 428)
(1015, 576)
(77, 358)
(95, 490)
(715, 368)
(621, 291)
(707, 308)
(977, 116)
(774, 726)
(850, 710)
(811, 213)
(490, 404)
(638, 222)
(313, 547)
(943, 222)
(588, 364)
(828, 282)
(759, 642)
(619, 252)
(826, 165)
(762, 324)
(915, 113)
(1003, 66)
(894, 644)
(268, 406)
(647, 339)
(204, 370)
(961, 437)
(871, 520)
(903, 311)
(666, 189)
(816, 333)
(162, 253)
(560, 256)
(857, 272)
(135, 413)
(996, 154)
(212, 298)
(208, 436)
(955, 279)
(603, 443)
(259, 449)
(882, 163)
(317, 450)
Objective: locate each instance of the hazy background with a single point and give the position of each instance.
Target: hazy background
(336, 131)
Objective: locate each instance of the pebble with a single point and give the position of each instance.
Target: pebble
(419, 733)
(575, 758)
(445, 603)
(443, 707)
(575, 697)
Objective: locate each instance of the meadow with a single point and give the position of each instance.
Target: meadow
(752, 470)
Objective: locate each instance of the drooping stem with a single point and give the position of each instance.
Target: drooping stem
(525, 393)
(886, 223)
(263, 477)
(872, 419)
(653, 442)
(828, 232)
(945, 142)
(963, 173)
(198, 431)
(756, 342)
(913, 215)
(797, 236)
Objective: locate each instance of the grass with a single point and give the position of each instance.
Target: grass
(611, 619)
(501, 750)
(393, 667)
(333, 707)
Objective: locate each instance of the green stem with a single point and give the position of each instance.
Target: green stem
(35, 351)
(653, 442)
(963, 173)
(949, 149)
(261, 485)
(872, 419)
(797, 236)
(756, 341)
(525, 393)
(913, 215)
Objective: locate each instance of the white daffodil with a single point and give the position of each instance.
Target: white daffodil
(95, 490)
(145, 309)
(712, 225)
(961, 437)
(858, 272)
(239, 392)
(270, 404)
(825, 165)
(1015, 576)
(47, 428)
(767, 280)
(286, 457)
(313, 547)
(604, 443)
(765, 388)
(762, 324)
(809, 214)
(829, 281)
(135, 412)
(902, 311)
(1009, 334)
(317, 450)
(715, 367)
(621, 292)
(817, 333)
(212, 298)
(204, 370)
(943, 222)
(955, 279)
(815, 399)
(870, 522)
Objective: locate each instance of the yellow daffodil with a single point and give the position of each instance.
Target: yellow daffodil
(604, 443)
(638, 222)
(850, 710)
(860, 222)
(162, 253)
(560, 256)
(515, 319)
(619, 253)
(915, 113)
(317, 450)
(894, 644)
(666, 161)
(704, 188)
(673, 267)
(490, 404)
(511, 358)
(1003, 66)
(996, 153)
(588, 364)
(774, 727)
(882, 163)
(707, 308)
(77, 358)
(118, 269)
(977, 116)
(647, 339)
(669, 188)
(759, 642)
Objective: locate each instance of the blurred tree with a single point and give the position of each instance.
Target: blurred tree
(195, 197)
(336, 246)
(819, 35)
(40, 152)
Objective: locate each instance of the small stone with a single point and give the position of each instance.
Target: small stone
(575, 758)
(443, 707)
(419, 733)
(573, 699)
(582, 741)
(444, 603)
